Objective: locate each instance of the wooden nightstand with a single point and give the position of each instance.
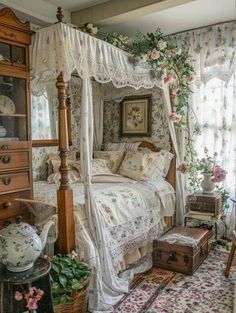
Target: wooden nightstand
(206, 208)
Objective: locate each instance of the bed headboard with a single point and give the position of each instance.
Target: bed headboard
(171, 173)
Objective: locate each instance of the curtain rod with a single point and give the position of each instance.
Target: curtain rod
(189, 30)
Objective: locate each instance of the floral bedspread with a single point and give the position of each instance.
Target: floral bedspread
(133, 213)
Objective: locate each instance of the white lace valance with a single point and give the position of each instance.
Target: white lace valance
(62, 48)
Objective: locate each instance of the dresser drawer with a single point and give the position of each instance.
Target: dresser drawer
(11, 160)
(14, 181)
(8, 203)
(26, 217)
(13, 145)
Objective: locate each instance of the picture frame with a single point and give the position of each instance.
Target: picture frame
(136, 116)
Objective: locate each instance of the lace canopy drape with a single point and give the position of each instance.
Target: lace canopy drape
(60, 48)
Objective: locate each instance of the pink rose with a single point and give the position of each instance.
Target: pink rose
(174, 117)
(18, 296)
(154, 54)
(32, 304)
(183, 168)
(219, 174)
(74, 254)
(173, 90)
(169, 79)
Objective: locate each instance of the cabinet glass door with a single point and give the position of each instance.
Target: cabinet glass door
(13, 109)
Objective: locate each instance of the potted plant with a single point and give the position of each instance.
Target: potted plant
(70, 280)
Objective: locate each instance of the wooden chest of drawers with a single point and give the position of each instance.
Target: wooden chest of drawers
(15, 181)
(15, 138)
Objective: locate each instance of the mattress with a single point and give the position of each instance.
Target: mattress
(132, 212)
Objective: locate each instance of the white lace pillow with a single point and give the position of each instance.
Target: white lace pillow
(55, 178)
(99, 167)
(137, 165)
(113, 158)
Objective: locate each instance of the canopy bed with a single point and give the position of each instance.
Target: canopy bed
(57, 52)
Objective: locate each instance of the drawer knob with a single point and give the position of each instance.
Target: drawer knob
(6, 159)
(4, 147)
(6, 222)
(6, 205)
(19, 219)
(6, 180)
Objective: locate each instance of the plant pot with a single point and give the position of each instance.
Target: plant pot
(207, 185)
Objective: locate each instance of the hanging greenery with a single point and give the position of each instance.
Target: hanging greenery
(168, 63)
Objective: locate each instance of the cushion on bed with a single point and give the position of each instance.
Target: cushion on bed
(161, 165)
(113, 158)
(127, 146)
(99, 167)
(55, 178)
(55, 157)
(144, 166)
(137, 165)
(57, 163)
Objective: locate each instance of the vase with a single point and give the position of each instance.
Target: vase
(207, 185)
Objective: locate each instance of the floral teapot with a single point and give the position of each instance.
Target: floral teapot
(20, 245)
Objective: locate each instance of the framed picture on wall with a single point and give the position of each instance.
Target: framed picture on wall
(136, 116)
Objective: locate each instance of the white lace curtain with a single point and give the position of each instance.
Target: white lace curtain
(214, 95)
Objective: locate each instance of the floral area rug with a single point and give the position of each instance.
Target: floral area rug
(162, 291)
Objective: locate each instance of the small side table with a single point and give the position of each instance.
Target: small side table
(37, 276)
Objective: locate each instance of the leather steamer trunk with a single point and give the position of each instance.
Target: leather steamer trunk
(181, 257)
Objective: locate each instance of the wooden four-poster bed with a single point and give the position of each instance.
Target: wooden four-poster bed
(91, 57)
(66, 227)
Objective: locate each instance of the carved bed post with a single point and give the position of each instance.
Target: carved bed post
(66, 240)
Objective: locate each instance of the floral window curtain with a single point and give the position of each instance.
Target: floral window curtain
(213, 51)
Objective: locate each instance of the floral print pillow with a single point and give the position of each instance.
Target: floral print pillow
(57, 163)
(99, 167)
(113, 158)
(137, 165)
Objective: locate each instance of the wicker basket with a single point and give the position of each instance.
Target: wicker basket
(77, 303)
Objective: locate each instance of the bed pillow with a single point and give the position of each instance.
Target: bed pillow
(113, 158)
(55, 164)
(55, 178)
(161, 165)
(137, 165)
(99, 167)
(55, 157)
(127, 146)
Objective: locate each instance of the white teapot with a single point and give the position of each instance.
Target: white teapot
(20, 245)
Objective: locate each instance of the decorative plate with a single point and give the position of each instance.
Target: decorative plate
(7, 106)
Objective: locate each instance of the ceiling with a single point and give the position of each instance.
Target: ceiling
(73, 5)
(183, 17)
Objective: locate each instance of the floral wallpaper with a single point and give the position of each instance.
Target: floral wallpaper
(113, 96)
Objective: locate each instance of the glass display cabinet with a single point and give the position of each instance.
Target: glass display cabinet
(15, 131)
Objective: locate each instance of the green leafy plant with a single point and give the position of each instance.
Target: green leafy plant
(68, 275)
